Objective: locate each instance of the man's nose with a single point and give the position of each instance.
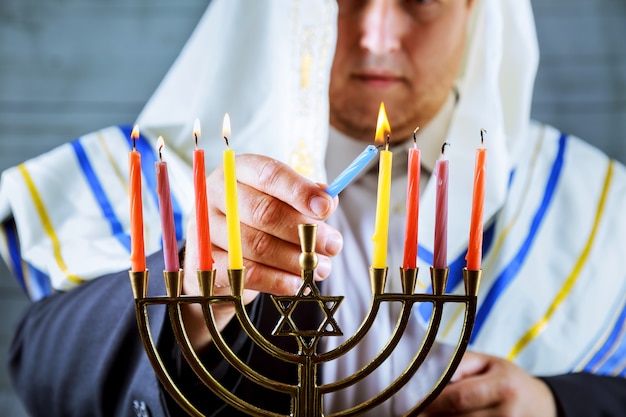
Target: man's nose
(381, 27)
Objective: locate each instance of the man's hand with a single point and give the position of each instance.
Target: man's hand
(273, 200)
(488, 386)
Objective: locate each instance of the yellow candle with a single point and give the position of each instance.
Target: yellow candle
(381, 226)
(381, 229)
(235, 254)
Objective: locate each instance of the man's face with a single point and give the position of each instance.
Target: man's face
(405, 53)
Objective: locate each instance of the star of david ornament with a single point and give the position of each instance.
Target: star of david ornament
(308, 301)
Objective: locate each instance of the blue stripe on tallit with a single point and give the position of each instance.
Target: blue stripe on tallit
(13, 247)
(148, 159)
(117, 230)
(512, 269)
(35, 283)
(38, 284)
(455, 277)
(616, 338)
(616, 361)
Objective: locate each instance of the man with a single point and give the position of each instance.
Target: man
(548, 243)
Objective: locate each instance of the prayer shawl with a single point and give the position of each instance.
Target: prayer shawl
(552, 297)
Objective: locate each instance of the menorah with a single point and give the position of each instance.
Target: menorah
(307, 395)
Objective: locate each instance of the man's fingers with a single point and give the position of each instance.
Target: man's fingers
(280, 219)
(279, 180)
(271, 212)
(471, 364)
(467, 395)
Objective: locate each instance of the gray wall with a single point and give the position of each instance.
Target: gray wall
(68, 67)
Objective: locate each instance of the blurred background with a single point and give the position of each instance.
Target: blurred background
(68, 67)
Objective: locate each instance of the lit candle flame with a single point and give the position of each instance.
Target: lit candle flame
(226, 128)
(160, 146)
(383, 130)
(196, 131)
(134, 135)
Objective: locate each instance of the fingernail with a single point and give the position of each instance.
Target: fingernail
(319, 206)
(323, 267)
(334, 243)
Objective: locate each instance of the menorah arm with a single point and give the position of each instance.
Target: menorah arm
(408, 373)
(156, 362)
(397, 333)
(205, 376)
(418, 360)
(227, 353)
(356, 338)
(260, 340)
(466, 332)
(164, 375)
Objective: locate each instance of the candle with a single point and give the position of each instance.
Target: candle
(137, 250)
(205, 255)
(235, 256)
(412, 207)
(170, 247)
(475, 245)
(352, 170)
(441, 212)
(381, 227)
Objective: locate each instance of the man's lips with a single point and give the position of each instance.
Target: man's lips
(377, 80)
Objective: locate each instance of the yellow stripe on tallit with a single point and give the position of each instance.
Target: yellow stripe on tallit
(47, 224)
(567, 287)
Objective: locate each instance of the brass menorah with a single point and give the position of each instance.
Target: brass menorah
(307, 394)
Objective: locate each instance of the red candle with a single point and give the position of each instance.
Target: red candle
(475, 245)
(137, 250)
(205, 255)
(170, 247)
(441, 213)
(412, 208)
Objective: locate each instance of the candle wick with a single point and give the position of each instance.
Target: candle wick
(443, 148)
(226, 139)
(134, 144)
(387, 143)
(415, 136)
(195, 136)
(482, 138)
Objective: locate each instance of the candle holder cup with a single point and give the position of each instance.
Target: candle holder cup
(307, 394)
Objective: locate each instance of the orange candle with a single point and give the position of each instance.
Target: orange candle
(475, 245)
(170, 246)
(440, 258)
(205, 255)
(137, 250)
(412, 208)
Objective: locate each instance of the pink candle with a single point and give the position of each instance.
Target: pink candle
(170, 247)
(137, 250)
(412, 209)
(475, 245)
(441, 213)
(205, 255)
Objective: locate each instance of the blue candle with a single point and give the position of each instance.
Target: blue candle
(352, 170)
